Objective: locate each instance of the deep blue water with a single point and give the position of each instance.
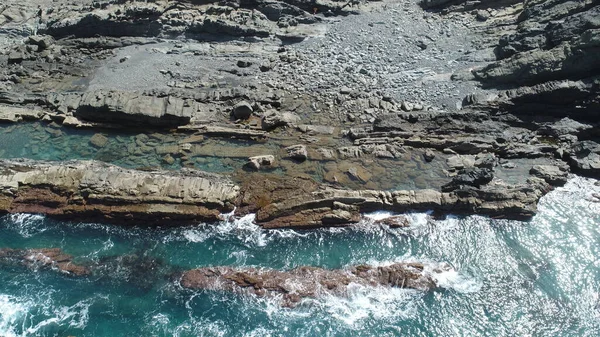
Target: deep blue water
(537, 278)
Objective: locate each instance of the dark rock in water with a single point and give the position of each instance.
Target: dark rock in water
(552, 174)
(242, 110)
(52, 258)
(139, 270)
(99, 140)
(310, 282)
(469, 177)
(429, 155)
(297, 152)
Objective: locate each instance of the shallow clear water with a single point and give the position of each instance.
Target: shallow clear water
(41, 141)
(540, 278)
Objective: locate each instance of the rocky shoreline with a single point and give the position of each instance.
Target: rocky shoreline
(341, 137)
(314, 112)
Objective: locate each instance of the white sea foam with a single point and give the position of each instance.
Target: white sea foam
(363, 303)
(28, 225)
(452, 279)
(29, 316)
(12, 312)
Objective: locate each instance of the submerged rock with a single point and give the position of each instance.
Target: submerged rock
(311, 282)
(53, 258)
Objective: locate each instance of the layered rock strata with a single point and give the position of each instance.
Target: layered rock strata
(93, 191)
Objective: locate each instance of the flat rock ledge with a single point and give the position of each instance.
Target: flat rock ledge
(95, 191)
(328, 206)
(310, 282)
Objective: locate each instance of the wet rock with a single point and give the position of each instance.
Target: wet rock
(98, 140)
(260, 162)
(51, 258)
(553, 175)
(168, 159)
(429, 155)
(395, 221)
(310, 282)
(297, 152)
(242, 110)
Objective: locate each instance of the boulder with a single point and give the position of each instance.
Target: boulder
(42, 41)
(395, 221)
(297, 152)
(552, 174)
(260, 162)
(584, 158)
(273, 119)
(429, 155)
(242, 110)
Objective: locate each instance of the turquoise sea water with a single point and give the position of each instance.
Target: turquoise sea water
(538, 278)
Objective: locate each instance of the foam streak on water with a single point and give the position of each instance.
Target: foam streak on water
(507, 278)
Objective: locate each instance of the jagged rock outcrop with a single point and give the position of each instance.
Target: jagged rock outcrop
(311, 282)
(94, 191)
(51, 258)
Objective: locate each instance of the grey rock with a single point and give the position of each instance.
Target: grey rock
(553, 175)
(272, 119)
(297, 152)
(260, 162)
(242, 110)
(429, 155)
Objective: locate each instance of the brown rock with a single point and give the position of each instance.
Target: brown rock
(309, 282)
(53, 258)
